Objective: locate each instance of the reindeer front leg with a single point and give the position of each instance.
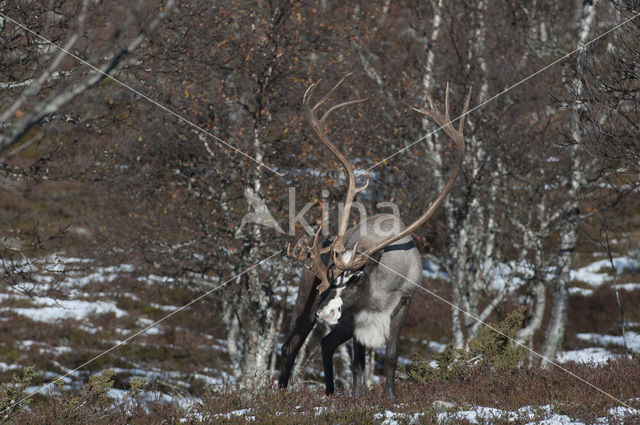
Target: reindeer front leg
(392, 346)
(338, 336)
(359, 353)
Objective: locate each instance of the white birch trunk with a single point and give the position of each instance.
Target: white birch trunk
(569, 229)
(474, 250)
(436, 151)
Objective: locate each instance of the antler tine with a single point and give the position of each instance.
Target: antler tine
(307, 93)
(316, 238)
(355, 261)
(315, 249)
(330, 92)
(446, 104)
(299, 256)
(464, 111)
(444, 121)
(361, 188)
(341, 105)
(431, 104)
(317, 266)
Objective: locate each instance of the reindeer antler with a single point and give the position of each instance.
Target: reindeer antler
(358, 259)
(318, 124)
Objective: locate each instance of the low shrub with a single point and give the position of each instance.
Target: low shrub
(493, 347)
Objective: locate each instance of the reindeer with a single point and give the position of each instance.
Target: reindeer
(361, 281)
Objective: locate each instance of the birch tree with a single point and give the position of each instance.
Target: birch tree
(40, 83)
(261, 327)
(611, 98)
(42, 95)
(572, 190)
(471, 221)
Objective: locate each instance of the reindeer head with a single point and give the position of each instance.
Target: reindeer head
(340, 296)
(347, 293)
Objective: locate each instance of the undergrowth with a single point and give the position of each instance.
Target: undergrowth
(493, 347)
(439, 399)
(92, 404)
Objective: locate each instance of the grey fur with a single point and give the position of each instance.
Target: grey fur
(374, 305)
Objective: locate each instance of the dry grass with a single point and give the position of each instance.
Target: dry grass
(507, 390)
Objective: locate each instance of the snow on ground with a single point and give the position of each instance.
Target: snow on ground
(242, 412)
(143, 323)
(509, 275)
(513, 274)
(67, 309)
(557, 419)
(586, 355)
(82, 302)
(580, 291)
(478, 415)
(531, 415)
(629, 286)
(153, 278)
(592, 274)
(75, 272)
(40, 390)
(52, 376)
(432, 270)
(597, 273)
(434, 346)
(621, 412)
(183, 402)
(44, 348)
(5, 366)
(633, 339)
(391, 418)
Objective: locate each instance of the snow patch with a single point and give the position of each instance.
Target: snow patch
(597, 273)
(556, 419)
(392, 418)
(68, 309)
(5, 366)
(633, 339)
(477, 415)
(432, 270)
(580, 291)
(629, 287)
(621, 412)
(595, 355)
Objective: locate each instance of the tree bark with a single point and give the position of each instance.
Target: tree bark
(571, 216)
